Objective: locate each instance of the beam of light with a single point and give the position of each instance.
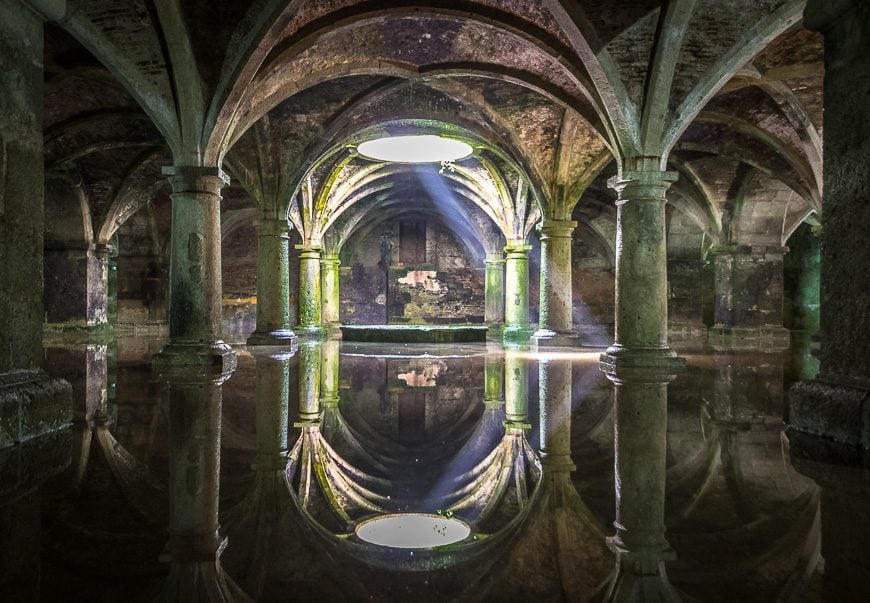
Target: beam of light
(425, 148)
(412, 530)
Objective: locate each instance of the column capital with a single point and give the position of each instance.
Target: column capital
(195, 179)
(518, 247)
(556, 228)
(494, 260)
(272, 227)
(330, 260)
(308, 252)
(652, 185)
(730, 249)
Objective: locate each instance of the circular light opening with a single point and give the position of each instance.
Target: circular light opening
(415, 149)
(412, 530)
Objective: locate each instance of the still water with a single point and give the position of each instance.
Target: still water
(354, 472)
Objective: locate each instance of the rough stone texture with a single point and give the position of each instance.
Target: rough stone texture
(76, 285)
(32, 404)
(21, 187)
(801, 282)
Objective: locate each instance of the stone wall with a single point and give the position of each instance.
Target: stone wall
(376, 287)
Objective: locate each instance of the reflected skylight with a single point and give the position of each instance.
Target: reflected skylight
(412, 530)
(424, 148)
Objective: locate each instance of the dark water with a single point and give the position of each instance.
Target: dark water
(293, 451)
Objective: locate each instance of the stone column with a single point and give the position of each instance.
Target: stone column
(748, 286)
(329, 364)
(309, 381)
(641, 273)
(330, 292)
(640, 449)
(75, 298)
(554, 386)
(516, 385)
(195, 271)
(493, 381)
(556, 326)
(24, 388)
(835, 404)
(195, 544)
(272, 390)
(494, 291)
(273, 285)
(516, 314)
(309, 291)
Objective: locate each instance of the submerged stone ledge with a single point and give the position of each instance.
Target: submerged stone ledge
(414, 333)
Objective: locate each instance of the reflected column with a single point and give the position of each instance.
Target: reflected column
(516, 393)
(309, 381)
(493, 381)
(195, 544)
(640, 449)
(329, 361)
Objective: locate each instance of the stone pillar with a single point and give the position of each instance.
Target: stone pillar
(516, 313)
(329, 364)
(554, 386)
(494, 291)
(273, 285)
(195, 544)
(640, 449)
(835, 404)
(309, 291)
(309, 381)
(329, 272)
(75, 298)
(24, 388)
(641, 273)
(556, 327)
(516, 385)
(195, 271)
(21, 186)
(748, 286)
(272, 390)
(493, 381)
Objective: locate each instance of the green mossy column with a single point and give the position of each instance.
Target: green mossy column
(834, 405)
(494, 292)
(309, 291)
(640, 450)
(195, 544)
(556, 324)
(330, 291)
(273, 285)
(516, 385)
(516, 312)
(641, 273)
(195, 272)
(554, 386)
(493, 381)
(329, 373)
(309, 381)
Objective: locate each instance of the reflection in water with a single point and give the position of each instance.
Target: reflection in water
(524, 449)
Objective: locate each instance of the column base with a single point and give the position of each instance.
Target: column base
(494, 331)
(77, 332)
(516, 334)
(635, 581)
(214, 357)
(32, 404)
(283, 338)
(545, 339)
(617, 358)
(748, 337)
(311, 333)
(333, 330)
(832, 411)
